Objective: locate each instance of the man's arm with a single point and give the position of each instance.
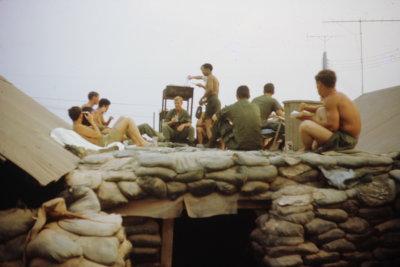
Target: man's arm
(332, 122)
(312, 109)
(198, 77)
(169, 118)
(90, 132)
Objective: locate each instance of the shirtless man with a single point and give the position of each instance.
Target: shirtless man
(92, 133)
(94, 99)
(210, 96)
(104, 104)
(337, 124)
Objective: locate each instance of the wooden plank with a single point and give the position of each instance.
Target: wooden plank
(167, 242)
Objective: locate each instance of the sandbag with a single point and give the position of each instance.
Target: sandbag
(216, 163)
(190, 176)
(176, 189)
(302, 249)
(355, 225)
(282, 228)
(97, 158)
(100, 225)
(339, 245)
(318, 226)
(119, 164)
(124, 249)
(15, 222)
(300, 218)
(117, 176)
(293, 171)
(131, 190)
(329, 196)
(284, 261)
(321, 257)
(74, 262)
(110, 196)
(89, 178)
(231, 176)
(331, 235)
(84, 200)
(254, 188)
(260, 173)
(281, 182)
(202, 188)
(249, 159)
(157, 160)
(336, 215)
(153, 186)
(185, 162)
(164, 173)
(226, 188)
(53, 246)
(12, 249)
(103, 250)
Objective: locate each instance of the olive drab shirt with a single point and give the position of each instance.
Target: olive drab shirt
(267, 105)
(182, 118)
(245, 117)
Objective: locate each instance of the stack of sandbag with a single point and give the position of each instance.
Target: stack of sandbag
(79, 236)
(309, 226)
(14, 227)
(144, 234)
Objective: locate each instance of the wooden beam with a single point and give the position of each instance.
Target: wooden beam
(167, 242)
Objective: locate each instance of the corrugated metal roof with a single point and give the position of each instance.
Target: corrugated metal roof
(25, 140)
(380, 115)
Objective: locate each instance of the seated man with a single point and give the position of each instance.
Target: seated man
(267, 105)
(104, 104)
(337, 123)
(93, 99)
(92, 133)
(177, 125)
(239, 125)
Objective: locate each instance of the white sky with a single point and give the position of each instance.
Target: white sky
(58, 50)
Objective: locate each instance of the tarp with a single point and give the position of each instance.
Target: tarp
(380, 117)
(25, 128)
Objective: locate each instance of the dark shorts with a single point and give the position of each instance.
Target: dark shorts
(339, 141)
(212, 107)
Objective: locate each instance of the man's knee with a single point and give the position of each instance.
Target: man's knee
(305, 126)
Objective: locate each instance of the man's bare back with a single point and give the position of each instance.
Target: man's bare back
(349, 116)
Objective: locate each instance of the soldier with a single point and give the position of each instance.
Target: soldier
(178, 124)
(239, 125)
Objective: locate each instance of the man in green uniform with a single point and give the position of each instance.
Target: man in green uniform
(239, 125)
(177, 125)
(267, 105)
(210, 97)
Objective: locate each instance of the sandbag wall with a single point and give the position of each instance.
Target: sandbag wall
(310, 226)
(144, 234)
(79, 236)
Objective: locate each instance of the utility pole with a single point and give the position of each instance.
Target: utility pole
(325, 39)
(361, 21)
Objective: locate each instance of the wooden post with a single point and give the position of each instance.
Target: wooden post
(167, 242)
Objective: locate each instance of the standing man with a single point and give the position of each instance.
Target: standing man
(239, 125)
(337, 124)
(178, 124)
(267, 105)
(94, 99)
(210, 96)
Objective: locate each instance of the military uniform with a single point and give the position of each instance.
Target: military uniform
(171, 133)
(239, 125)
(267, 105)
(147, 129)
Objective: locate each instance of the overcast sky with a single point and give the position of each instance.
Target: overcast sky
(58, 50)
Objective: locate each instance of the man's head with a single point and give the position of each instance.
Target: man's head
(326, 80)
(178, 100)
(243, 92)
(94, 97)
(206, 69)
(75, 113)
(269, 88)
(104, 104)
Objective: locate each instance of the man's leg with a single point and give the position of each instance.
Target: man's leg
(310, 131)
(147, 129)
(208, 125)
(168, 133)
(127, 126)
(190, 134)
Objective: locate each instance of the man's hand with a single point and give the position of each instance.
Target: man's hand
(111, 118)
(302, 106)
(181, 127)
(201, 85)
(202, 101)
(174, 120)
(89, 117)
(189, 77)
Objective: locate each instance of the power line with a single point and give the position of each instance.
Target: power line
(80, 101)
(360, 21)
